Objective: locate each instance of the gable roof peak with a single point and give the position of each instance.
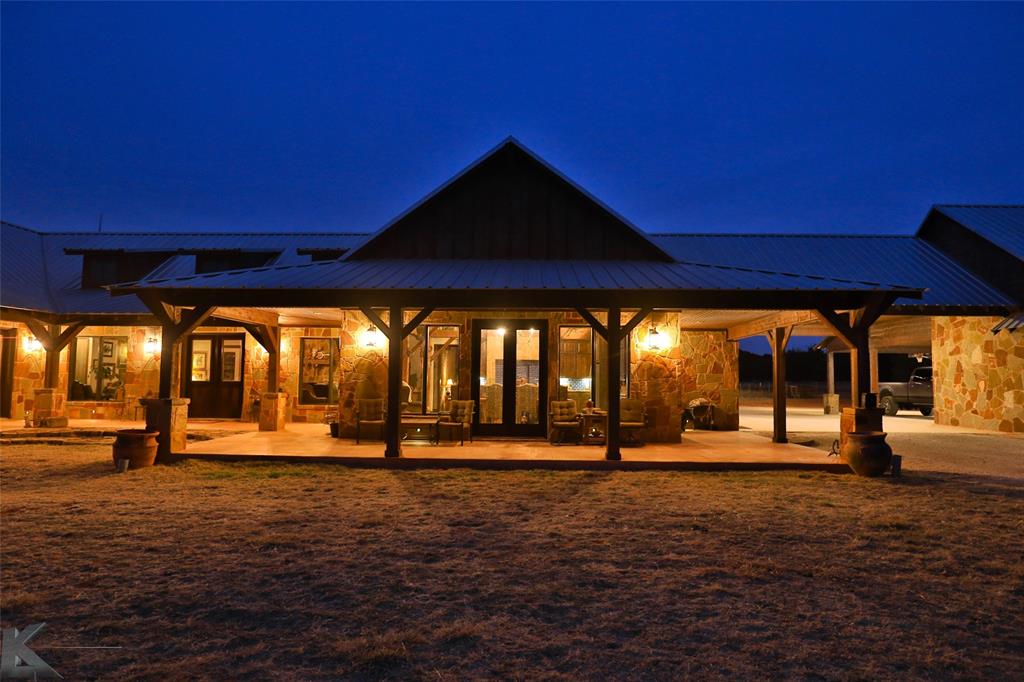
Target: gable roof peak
(510, 203)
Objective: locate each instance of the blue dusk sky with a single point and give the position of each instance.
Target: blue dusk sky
(727, 117)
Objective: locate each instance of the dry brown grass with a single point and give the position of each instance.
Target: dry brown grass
(255, 571)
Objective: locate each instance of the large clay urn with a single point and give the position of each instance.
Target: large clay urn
(138, 446)
(867, 453)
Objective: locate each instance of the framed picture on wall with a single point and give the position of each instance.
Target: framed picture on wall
(108, 349)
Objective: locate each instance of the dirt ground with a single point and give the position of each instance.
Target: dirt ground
(255, 571)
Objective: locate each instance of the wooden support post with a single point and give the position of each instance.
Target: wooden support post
(392, 427)
(613, 334)
(860, 369)
(779, 338)
(873, 366)
(855, 332)
(831, 372)
(168, 349)
(51, 373)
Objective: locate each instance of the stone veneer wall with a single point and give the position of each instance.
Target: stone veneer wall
(978, 376)
(142, 375)
(695, 364)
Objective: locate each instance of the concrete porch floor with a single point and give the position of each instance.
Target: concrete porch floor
(699, 450)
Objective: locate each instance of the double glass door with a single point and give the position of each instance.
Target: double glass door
(510, 377)
(213, 375)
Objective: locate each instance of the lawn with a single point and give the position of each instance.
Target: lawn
(255, 571)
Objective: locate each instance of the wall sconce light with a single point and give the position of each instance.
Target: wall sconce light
(31, 344)
(151, 346)
(655, 340)
(501, 331)
(372, 337)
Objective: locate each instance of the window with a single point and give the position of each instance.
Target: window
(576, 364)
(218, 261)
(100, 269)
(601, 372)
(432, 367)
(98, 366)
(318, 384)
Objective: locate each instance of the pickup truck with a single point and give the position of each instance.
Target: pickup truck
(915, 394)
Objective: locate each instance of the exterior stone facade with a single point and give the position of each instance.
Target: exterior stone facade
(978, 376)
(691, 365)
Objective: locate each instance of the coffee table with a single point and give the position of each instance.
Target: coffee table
(420, 427)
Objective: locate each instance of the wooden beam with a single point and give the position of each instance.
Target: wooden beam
(249, 315)
(190, 319)
(73, 330)
(779, 338)
(614, 337)
(830, 372)
(376, 320)
(392, 426)
(634, 321)
(601, 330)
(165, 313)
(763, 325)
(41, 331)
(415, 321)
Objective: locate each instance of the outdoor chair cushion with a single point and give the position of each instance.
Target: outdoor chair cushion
(563, 412)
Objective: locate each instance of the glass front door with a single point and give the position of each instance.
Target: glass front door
(510, 377)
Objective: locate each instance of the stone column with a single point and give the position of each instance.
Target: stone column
(273, 409)
(169, 418)
(48, 408)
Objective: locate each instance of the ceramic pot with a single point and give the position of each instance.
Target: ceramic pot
(138, 446)
(867, 453)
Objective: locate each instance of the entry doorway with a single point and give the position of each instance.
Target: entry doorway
(510, 368)
(213, 378)
(7, 353)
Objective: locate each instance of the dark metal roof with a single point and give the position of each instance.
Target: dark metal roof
(875, 258)
(1001, 225)
(38, 273)
(510, 274)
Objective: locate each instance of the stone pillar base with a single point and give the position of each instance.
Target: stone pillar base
(169, 417)
(859, 419)
(273, 408)
(48, 408)
(830, 402)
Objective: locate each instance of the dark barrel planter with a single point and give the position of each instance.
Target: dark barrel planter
(138, 446)
(867, 453)
(335, 430)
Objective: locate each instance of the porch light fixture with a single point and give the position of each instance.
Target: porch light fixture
(372, 337)
(151, 346)
(31, 344)
(501, 331)
(655, 340)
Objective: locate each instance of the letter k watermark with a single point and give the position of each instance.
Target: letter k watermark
(18, 662)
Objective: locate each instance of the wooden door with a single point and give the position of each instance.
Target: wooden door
(214, 373)
(7, 353)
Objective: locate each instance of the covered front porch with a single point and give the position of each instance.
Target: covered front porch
(697, 450)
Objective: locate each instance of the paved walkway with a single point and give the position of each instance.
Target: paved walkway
(813, 420)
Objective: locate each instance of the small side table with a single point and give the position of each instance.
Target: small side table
(595, 428)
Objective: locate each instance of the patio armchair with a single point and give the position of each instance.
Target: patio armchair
(564, 419)
(369, 413)
(632, 418)
(458, 420)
